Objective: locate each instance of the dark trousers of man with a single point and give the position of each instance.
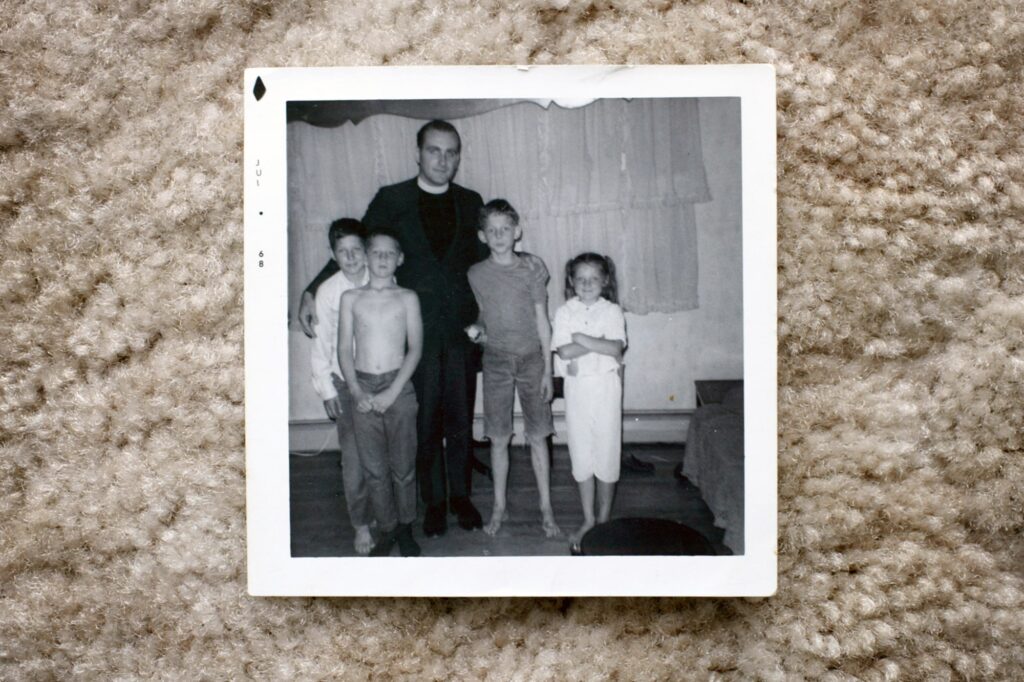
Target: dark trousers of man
(445, 382)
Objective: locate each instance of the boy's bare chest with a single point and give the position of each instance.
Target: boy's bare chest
(376, 309)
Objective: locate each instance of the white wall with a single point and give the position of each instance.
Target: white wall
(667, 352)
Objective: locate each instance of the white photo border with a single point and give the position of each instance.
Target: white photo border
(272, 571)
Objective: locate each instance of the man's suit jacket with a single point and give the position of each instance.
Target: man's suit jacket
(446, 301)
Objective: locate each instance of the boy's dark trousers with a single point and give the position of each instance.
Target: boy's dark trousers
(353, 480)
(387, 451)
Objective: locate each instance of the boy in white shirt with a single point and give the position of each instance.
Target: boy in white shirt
(347, 238)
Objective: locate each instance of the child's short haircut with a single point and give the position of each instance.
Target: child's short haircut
(384, 232)
(610, 290)
(345, 227)
(497, 207)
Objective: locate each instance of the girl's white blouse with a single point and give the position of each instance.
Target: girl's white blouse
(602, 319)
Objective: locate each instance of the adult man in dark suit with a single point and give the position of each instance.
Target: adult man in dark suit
(436, 221)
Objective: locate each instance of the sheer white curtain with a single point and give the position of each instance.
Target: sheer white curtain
(619, 177)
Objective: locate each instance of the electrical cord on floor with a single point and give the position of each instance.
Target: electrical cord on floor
(323, 447)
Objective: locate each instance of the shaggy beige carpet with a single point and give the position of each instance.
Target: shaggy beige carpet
(901, 288)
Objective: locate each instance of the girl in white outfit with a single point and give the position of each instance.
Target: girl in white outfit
(589, 338)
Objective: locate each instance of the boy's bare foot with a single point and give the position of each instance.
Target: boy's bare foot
(364, 541)
(577, 537)
(497, 516)
(551, 528)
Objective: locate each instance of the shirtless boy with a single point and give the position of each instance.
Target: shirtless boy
(380, 340)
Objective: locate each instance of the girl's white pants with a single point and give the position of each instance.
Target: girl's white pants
(593, 417)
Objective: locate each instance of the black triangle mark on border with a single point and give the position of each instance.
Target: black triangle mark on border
(259, 89)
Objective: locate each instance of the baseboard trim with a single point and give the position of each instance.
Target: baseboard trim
(638, 426)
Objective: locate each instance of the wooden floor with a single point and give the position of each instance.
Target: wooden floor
(320, 525)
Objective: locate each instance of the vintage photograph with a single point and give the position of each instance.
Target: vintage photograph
(515, 328)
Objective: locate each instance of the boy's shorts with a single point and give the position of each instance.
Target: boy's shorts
(505, 374)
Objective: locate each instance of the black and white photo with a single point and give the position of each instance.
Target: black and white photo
(511, 331)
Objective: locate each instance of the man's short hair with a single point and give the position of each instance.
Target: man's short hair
(345, 227)
(440, 126)
(497, 207)
(384, 232)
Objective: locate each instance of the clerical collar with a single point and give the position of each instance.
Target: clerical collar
(431, 189)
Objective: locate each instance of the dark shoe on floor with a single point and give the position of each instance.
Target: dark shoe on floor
(406, 544)
(384, 545)
(469, 517)
(631, 463)
(435, 521)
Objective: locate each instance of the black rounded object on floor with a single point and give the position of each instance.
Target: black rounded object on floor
(644, 536)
